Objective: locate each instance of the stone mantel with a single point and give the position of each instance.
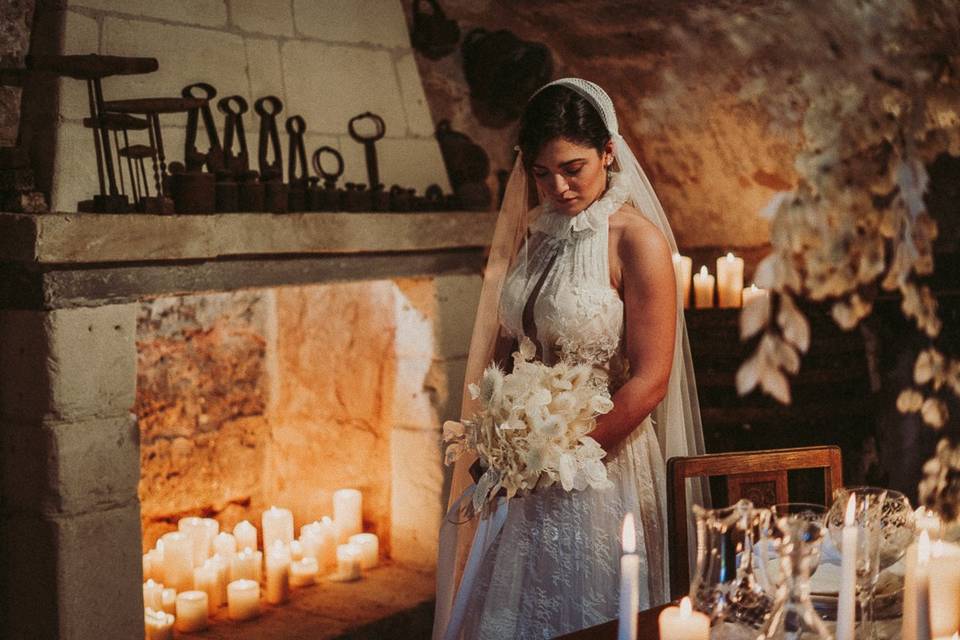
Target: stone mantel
(86, 259)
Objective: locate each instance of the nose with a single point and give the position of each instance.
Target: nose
(559, 184)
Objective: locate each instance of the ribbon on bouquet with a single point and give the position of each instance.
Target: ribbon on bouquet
(483, 539)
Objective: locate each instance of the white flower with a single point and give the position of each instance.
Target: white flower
(909, 401)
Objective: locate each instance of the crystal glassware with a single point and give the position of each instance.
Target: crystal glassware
(725, 585)
(793, 616)
(770, 562)
(868, 509)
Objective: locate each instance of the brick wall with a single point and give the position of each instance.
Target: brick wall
(327, 60)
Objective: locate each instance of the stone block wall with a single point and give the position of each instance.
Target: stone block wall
(327, 60)
(282, 396)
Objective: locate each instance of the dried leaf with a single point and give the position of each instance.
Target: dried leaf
(747, 375)
(775, 383)
(796, 328)
(755, 316)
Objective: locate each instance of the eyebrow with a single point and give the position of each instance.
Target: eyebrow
(562, 164)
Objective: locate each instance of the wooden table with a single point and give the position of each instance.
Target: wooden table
(646, 628)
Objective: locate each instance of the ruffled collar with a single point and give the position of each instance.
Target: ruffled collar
(562, 226)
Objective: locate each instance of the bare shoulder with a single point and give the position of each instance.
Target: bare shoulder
(639, 241)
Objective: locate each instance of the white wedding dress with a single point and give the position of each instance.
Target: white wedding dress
(554, 566)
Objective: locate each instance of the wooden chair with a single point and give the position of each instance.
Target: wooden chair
(759, 476)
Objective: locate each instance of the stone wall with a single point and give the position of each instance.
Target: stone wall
(713, 160)
(327, 60)
(282, 396)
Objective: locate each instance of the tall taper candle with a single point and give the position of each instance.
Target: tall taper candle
(846, 603)
(348, 512)
(729, 280)
(629, 582)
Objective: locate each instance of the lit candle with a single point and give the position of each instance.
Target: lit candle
(225, 545)
(320, 541)
(929, 521)
(223, 575)
(347, 513)
(303, 572)
(245, 535)
(206, 578)
(154, 560)
(201, 531)
(753, 292)
(729, 280)
(243, 599)
(192, 610)
(683, 623)
(703, 289)
(277, 525)
(153, 595)
(848, 573)
(278, 573)
(169, 600)
(246, 565)
(369, 548)
(157, 625)
(629, 581)
(296, 551)
(944, 574)
(348, 562)
(178, 561)
(683, 268)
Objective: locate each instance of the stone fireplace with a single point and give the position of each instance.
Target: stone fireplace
(156, 367)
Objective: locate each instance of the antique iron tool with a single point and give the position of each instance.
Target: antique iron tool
(330, 197)
(296, 164)
(271, 172)
(250, 191)
(368, 140)
(213, 158)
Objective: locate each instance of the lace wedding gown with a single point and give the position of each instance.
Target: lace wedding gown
(554, 566)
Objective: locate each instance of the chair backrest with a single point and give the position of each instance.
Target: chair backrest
(759, 476)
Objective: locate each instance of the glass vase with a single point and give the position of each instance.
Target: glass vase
(797, 541)
(725, 586)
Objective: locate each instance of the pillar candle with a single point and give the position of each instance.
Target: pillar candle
(703, 289)
(347, 513)
(245, 535)
(223, 575)
(846, 604)
(169, 600)
(916, 590)
(153, 595)
(369, 549)
(202, 531)
(192, 608)
(753, 292)
(629, 582)
(158, 625)
(225, 545)
(154, 560)
(243, 599)
(278, 573)
(683, 623)
(683, 269)
(246, 565)
(944, 575)
(206, 578)
(303, 572)
(729, 280)
(296, 551)
(178, 561)
(277, 524)
(348, 562)
(929, 521)
(320, 541)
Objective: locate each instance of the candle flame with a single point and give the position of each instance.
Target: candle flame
(628, 535)
(686, 609)
(730, 255)
(851, 511)
(923, 548)
(703, 271)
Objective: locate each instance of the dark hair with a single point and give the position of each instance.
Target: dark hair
(560, 112)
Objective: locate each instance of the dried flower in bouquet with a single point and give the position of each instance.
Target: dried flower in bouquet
(940, 487)
(531, 430)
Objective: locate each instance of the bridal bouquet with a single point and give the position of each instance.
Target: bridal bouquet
(531, 429)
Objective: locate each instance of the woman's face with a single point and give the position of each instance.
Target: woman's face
(570, 175)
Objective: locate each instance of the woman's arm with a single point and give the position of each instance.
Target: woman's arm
(649, 297)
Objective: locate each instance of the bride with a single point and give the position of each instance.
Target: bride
(586, 274)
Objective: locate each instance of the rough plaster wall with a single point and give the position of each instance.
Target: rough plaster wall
(713, 161)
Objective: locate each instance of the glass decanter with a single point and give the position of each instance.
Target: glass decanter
(797, 541)
(725, 586)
